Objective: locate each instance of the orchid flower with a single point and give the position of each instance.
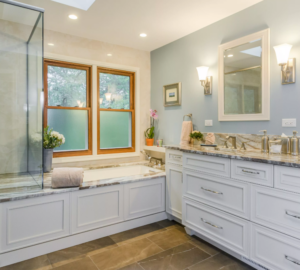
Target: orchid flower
(153, 114)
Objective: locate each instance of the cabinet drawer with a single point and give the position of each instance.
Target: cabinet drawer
(279, 210)
(227, 230)
(274, 250)
(173, 156)
(228, 195)
(287, 178)
(212, 165)
(253, 172)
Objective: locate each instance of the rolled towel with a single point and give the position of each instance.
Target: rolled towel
(187, 128)
(210, 138)
(67, 177)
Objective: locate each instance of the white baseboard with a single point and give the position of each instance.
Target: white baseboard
(76, 239)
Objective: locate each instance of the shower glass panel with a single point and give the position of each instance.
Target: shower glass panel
(21, 98)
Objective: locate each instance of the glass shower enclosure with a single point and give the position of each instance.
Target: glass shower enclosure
(21, 98)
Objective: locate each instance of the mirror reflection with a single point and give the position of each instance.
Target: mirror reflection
(243, 79)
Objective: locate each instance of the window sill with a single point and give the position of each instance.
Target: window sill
(94, 157)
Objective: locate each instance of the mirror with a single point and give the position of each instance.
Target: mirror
(244, 87)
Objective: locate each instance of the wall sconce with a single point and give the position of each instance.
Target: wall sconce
(206, 81)
(288, 66)
(108, 96)
(100, 101)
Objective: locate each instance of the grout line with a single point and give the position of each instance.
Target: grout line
(211, 256)
(93, 262)
(191, 242)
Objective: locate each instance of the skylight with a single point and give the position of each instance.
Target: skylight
(254, 51)
(81, 4)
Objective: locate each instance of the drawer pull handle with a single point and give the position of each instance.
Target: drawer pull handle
(245, 171)
(292, 260)
(176, 157)
(292, 215)
(212, 191)
(215, 226)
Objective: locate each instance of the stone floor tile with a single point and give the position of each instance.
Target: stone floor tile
(221, 261)
(125, 254)
(177, 258)
(38, 263)
(82, 264)
(169, 238)
(140, 231)
(210, 249)
(71, 254)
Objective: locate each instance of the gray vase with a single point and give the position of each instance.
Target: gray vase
(48, 155)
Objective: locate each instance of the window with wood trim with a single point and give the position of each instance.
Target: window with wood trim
(68, 105)
(116, 111)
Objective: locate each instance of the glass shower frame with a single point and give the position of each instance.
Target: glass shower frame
(33, 179)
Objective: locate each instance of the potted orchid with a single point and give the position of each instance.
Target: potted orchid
(52, 139)
(149, 133)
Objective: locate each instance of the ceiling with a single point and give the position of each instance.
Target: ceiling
(121, 21)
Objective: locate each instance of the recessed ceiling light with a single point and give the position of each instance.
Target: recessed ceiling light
(50, 44)
(143, 35)
(109, 54)
(230, 55)
(73, 17)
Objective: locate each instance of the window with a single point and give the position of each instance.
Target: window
(116, 114)
(68, 106)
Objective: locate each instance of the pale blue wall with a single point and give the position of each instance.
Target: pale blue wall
(177, 62)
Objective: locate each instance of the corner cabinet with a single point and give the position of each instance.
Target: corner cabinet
(174, 182)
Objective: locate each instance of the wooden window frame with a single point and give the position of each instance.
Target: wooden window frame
(88, 68)
(131, 75)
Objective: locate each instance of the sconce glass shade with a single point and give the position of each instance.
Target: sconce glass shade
(282, 53)
(202, 72)
(108, 96)
(100, 101)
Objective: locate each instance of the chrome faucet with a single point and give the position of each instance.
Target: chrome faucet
(148, 156)
(233, 141)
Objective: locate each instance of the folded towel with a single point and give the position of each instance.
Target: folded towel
(187, 128)
(67, 177)
(210, 138)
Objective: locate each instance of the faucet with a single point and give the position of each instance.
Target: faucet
(148, 156)
(233, 141)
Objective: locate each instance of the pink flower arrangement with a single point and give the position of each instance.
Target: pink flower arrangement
(153, 114)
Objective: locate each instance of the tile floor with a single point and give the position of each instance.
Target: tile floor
(162, 245)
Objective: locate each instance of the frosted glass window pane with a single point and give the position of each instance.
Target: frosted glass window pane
(66, 87)
(115, 129)
(73, 124)
(119, 88)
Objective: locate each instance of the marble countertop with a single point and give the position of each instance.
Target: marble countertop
(86, 185)
(247, 155)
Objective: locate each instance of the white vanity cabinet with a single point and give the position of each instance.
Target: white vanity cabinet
(174, 180)
(249, 209)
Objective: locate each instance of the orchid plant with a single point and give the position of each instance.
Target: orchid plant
(149, 133)
(52, 139)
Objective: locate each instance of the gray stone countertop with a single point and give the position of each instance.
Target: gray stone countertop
(247, 155)
(86, 185)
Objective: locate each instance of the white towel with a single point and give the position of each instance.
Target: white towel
(67, 177)
(186, 130)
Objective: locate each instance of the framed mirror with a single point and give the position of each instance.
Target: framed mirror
(244, 80)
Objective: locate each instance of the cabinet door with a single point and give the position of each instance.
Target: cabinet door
(174, 190)
(95, 208)
(33, 221)
(144, 198)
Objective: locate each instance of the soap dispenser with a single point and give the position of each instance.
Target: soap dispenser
(294, 144)
(264, 142)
